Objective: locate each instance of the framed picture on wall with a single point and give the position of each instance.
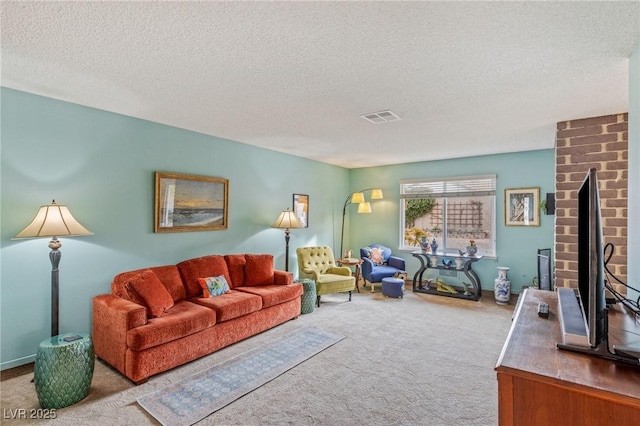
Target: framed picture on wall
(521, 207)
(301, 208)
(186, 203)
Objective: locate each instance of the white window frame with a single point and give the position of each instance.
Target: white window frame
(445, 188)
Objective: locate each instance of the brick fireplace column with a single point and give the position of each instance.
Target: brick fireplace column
(600, 142)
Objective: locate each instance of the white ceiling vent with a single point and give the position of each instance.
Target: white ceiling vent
(381, 117)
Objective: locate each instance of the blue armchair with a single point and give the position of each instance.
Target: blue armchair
(379, 263)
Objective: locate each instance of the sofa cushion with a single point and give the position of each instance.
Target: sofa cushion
(236, 264)
(168, 276)
(213, 286)
(258, 270)
(183, 319)
(376, 254)
(231, 305)
(207, 266)
(274, 294)
(146, 289)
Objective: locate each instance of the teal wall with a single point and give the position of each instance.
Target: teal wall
(516, 246)
(101, 165)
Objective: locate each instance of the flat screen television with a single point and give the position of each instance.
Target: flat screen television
(590, 309)
(591, 259)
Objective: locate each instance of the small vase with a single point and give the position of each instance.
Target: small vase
(434, 246)
(425, 244)
(459, 262)
(502, 286)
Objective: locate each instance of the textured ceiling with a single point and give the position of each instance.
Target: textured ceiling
(467, 78)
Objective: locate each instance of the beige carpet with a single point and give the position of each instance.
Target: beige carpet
(421, 360)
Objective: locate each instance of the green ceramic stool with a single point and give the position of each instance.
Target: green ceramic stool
(64, 369)
(309, 295)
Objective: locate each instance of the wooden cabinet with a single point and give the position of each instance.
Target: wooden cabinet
(541, 385)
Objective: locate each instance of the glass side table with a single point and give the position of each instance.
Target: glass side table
(64, 369)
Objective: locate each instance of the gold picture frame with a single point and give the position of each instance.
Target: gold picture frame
(187, 203)
(521, 206)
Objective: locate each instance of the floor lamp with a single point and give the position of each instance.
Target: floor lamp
(286, 221)
(363, 206)
(52, 221)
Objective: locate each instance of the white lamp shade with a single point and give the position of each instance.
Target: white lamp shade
(376, 194)
(53, 220)
(364, 207)
(287, 220)
(357, 198)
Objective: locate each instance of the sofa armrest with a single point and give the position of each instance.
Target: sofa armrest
(282, 277)
(113, 317)
(397, 262)
(339, 270)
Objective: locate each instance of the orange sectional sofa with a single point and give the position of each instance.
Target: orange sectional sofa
(158, 318)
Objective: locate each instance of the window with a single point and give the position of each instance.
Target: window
(451, 210)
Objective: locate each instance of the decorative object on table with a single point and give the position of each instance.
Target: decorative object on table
(502, 286)
(434, 260)
(348, 254)
(363, 206)
(434, 246)
(521, 206)
(472, 249)
(286, 221)
(459, 262)
(63, 369)
(445, 288)
(308, 295)
(466, 286)
(446, 262)
(195, 397)
(185, 203)
(379, 262)
(425, 244)
(301, 208)
(54, 221)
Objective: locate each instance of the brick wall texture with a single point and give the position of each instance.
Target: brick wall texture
(599, 142)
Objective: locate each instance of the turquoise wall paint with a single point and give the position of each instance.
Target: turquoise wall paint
(516, 246)
(101, 165)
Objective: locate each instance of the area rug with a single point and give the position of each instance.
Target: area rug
(194, 398)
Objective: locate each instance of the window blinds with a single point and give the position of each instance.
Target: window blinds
(467, 186)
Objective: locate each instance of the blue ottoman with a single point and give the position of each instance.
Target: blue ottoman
(393, 287)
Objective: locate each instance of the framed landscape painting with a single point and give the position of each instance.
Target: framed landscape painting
(521, 207)
(185, 203)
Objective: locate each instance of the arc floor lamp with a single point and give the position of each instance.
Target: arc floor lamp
(54, 221)
(363, 206)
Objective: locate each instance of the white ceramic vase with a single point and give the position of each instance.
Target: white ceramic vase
(502, 286)
(459, 263)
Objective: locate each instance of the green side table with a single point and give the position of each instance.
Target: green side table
(64, 369)
(309, 295)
